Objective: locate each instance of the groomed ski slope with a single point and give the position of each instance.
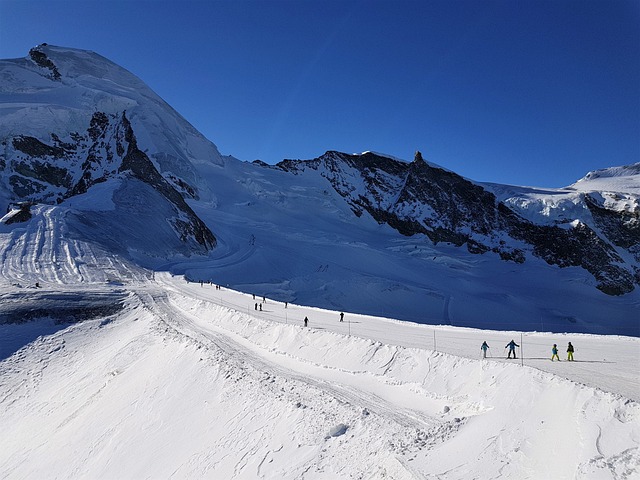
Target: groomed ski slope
(188, 381)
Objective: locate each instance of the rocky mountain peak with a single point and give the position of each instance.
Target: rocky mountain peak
(418, 198)
(39, 57)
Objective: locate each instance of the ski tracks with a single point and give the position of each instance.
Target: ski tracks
(402, 431)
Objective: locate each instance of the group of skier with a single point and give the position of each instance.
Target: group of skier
(512, 345)
(554, 353)
(306, 319)
(512, 350)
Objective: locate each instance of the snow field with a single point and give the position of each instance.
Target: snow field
(482, 396)
(178, 385)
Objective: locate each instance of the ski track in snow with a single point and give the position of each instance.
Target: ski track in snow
(189, 381)
(182, 384)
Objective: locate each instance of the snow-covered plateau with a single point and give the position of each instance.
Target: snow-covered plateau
(153, 295)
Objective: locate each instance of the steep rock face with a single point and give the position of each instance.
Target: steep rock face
(420, 198)
(40, 58)
(142, 168)
(49, 173)
(71, 119)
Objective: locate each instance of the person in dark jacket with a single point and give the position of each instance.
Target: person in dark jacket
(570, 352)
(484, 347)
(512, 348)
(306, 321)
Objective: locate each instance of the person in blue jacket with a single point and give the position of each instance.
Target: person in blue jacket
(554, 352)
(512, 348)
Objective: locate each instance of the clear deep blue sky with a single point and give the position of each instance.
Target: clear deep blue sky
(522, 92)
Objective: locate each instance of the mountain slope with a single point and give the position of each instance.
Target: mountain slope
(417, 198)
(89, 151)
(72, 119)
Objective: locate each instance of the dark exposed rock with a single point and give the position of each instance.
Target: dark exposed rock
(22, 216)
(49, 173)
(419, 198)
(621, 227)
(98, 125)
(35, 148)
(139, 164)
(41, 59)
(25, 188)
(44, 172)
(66, 146)
(183, 186)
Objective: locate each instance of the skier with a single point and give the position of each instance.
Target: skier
(306, 321)
(512, 349)
(341, 316)
(554, 351)
(570, 352)
(256, 307)
(260, 307)
(484, 347)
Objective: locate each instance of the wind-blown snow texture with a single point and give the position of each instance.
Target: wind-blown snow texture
(113, 366)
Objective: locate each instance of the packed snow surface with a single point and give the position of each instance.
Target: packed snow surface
(169, 378)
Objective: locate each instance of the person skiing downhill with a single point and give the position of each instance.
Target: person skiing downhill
(484, 348)
(554, 352)
(512, 349)
(570, 352)
(306, 321)
(341, 316)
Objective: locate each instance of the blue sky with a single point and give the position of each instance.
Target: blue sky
(521, 92)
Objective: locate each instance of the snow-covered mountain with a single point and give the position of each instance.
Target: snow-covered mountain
(91, 152)
(422, 199)
(71, 119)
(119, 360)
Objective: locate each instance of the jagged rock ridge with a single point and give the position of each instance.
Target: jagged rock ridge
(419, 198)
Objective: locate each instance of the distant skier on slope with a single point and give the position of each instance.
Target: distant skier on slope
(341, 316)
(484, 347)
(554, 352)
(306, 321)
(512, 349)
(570, 352)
